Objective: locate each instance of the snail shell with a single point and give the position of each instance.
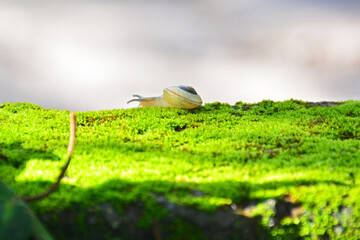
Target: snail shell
(176, 96)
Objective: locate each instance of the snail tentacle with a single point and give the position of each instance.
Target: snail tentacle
(138, 99)
(138, 96)
(142, 99)
(134, 100)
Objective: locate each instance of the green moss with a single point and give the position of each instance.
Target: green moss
(229, 153)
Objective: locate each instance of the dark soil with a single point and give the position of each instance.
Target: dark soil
(104, 222)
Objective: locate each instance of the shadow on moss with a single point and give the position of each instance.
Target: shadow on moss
(17, 156)
(126, 209)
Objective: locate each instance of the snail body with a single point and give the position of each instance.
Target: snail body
(176, 96)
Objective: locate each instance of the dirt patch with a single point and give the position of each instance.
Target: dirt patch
(322, 104)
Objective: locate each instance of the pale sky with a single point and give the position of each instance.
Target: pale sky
(93, 55)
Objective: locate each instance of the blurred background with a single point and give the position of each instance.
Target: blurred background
(91, 55)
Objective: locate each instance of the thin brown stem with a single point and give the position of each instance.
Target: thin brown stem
(63, 170)
(2, 156)
(156, 230)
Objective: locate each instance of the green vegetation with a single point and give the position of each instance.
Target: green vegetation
(16, 220)
(231, 154)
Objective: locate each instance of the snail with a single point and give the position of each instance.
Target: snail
(176, 96)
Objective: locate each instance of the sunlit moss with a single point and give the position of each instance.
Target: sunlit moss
(230, 154)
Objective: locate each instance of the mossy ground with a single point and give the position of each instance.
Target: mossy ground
(230, 154)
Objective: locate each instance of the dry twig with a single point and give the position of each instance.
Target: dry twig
(63, 170)
(156, 230)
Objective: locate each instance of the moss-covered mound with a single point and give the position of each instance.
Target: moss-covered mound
(293, 165)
